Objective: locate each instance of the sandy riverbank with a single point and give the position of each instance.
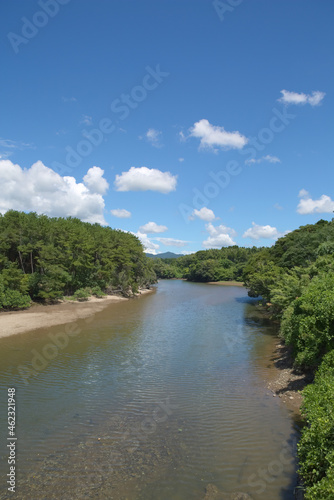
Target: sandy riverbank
(226, 283)
(45, 316)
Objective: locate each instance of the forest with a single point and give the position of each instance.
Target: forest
(225, 264)
(45, 259)
(295, 281)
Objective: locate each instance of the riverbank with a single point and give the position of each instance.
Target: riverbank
(287, 382)
(45, 316)
(226, 283)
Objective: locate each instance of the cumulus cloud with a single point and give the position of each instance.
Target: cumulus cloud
(146, 179)
(204, 214)
(268, 158)
(121, 213)
(42, 190)
(313, 99)
(153, 136)
(212, 135)
(148, 244)
(219, 236)
(95, 181)
(323, 205)
(171, 242)
(152, 227)
(268, 232)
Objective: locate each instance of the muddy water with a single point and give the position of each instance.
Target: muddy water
(153, 399)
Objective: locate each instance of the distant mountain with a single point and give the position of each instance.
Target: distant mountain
(165, 255)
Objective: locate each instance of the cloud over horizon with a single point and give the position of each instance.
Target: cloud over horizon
(152, 228)
(257, 232)
(121, 213)
(219, 236)
(40, 189)
(307, 205)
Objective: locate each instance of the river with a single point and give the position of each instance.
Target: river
(154, 399)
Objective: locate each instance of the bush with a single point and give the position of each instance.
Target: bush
(13, 299)
(308, 323)
(316, 446)
(96, 290)
(82, 294)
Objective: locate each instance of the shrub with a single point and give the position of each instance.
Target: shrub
(96, 290)
(308, 323)
(316, 446)
(13, 299)
(82, 294)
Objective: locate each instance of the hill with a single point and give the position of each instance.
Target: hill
(165, 255)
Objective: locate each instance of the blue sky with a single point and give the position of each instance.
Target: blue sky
(194, 124)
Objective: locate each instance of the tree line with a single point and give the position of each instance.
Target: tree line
(295, 280)
(223, 264)
(44, 259)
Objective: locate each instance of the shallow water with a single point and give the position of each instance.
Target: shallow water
(153, 399)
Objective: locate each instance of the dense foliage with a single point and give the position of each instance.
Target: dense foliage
(296, 281)
(225, 264)
(44, 258)
(316, 447)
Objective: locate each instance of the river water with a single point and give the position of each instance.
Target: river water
(154, 399)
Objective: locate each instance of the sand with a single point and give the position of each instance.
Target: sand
(226, 283)
(45, 316)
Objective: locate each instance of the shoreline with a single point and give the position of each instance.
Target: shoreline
(287, 382)
(226, 283)
(45, 316)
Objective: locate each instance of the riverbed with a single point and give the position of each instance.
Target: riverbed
(153, 398)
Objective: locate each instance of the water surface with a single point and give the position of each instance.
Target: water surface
(155, 398)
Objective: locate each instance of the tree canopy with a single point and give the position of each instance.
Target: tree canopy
(43, 258)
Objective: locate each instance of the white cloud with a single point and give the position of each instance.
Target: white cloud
(152, 227)
(181, 160)
(204, 214)
(42, 190)
(148, 245)
(323, 205)
(303, 194)
(69, 99)
(268, 158)
(95, 181)
(219, 236)
(121, 213)
(278, 206)
(86, 120)
(212, 135)
(171, 242)
(8, 147)
(268, 232)
(153, 136)
(313, 99)
(146, 179)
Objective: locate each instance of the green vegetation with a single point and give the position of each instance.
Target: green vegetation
(316, 447)
(43, 259)
(226, 264)
(295, 279)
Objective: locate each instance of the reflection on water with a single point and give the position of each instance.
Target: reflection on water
(155, 399)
